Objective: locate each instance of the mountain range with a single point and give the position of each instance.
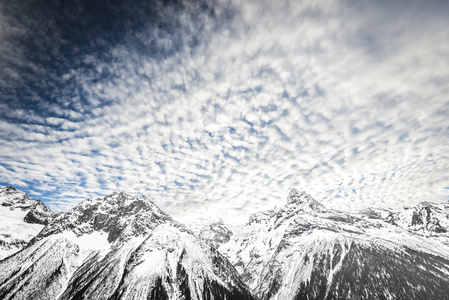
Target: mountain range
(123, 246)
(118, 247)
(306, 251)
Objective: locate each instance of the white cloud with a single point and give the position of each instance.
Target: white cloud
(346, 101)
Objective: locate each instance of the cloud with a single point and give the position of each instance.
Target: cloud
(216, 109)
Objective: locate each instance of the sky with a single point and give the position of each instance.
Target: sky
(217, 108)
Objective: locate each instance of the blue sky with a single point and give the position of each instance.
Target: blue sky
(217, 108)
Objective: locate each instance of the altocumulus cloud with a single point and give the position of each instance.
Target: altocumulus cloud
(217, 108)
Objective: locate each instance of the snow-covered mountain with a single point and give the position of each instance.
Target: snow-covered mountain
(430, 219)
(215, 233)
(118, 247)
(21, 219)
(124, 247)
(305, 251)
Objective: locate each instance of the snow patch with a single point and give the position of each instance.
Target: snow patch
(97, 240)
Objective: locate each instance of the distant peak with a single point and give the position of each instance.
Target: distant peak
(9, 189)
(119, 201)
(13, 194)
(119, 194)
(295, 191)
(215, 233)
(303, 200)
(295, 196)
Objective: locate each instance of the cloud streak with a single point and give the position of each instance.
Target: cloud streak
(216, 109)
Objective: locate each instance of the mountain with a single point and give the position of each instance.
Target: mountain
(21, 219)
(431, 219)
(124, 247)
(118, 247)
(215, 233)
(306, 251)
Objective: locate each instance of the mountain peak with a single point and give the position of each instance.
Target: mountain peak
(215, 233)
(21, 219)
(118, 214)
(9, 189)
(296, 196)
(11, 195)
(302, 200)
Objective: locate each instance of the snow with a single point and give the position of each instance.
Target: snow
(282, 242)
(97, 240)
(12, 224)
(152, 261)
(310, 245)
(14, 231)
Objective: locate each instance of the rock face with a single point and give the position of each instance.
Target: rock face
(305, 251)
(426, 218)
(118, 247)
(21, 219)
(215, 234)
(303, 200)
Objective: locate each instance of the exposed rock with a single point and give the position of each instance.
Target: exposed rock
(215, 233)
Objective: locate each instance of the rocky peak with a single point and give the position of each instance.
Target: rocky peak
(297, 203)
(303, 200)
(215, 233)
(9, 190)
(295, 196)
(427, 217)
(37, 212)
(118, 214)
(10, 196)
(21, 219)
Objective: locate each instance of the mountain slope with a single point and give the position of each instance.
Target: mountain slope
(118, 247)
(305, 251)
(20, 220)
